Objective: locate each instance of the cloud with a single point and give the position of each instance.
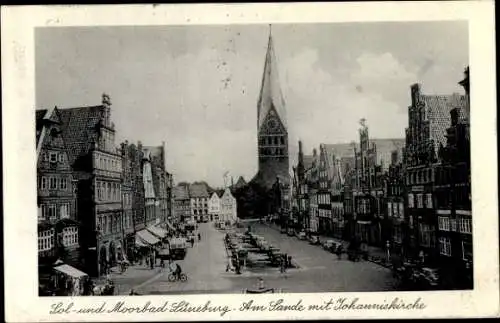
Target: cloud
(325, 106)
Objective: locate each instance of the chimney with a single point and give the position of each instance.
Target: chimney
(394, 157)
(301, 154)
(415, 94)
(163, 161)
(106, 103)
(454, 116)
(465, 82)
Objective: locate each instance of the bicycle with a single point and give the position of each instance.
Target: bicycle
(173, 277)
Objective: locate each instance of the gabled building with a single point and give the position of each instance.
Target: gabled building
(132, 194)
(97, 167)
(182, 204)
(453, 198)
(151, 204)
(214, 206)
(311, 179)
(429, 117)
(331, 181)
(58, 226)
(198, 193)
(369, 185)
(228, 207)
(395, 229)
(162, 183)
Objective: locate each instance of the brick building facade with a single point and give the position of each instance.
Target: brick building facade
(58, 226)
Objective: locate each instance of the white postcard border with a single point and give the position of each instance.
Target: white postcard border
(20, 253)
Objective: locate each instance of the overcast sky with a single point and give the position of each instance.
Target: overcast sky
(196, 87)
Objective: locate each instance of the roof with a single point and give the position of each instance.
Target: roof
(438, 109)
(240, 182)
(180, 192)
(198, 190)
(79, 129)
(70, 271)
(227, 192)
(39, 115)
(385, 147)
(338, 150)
(270, 92)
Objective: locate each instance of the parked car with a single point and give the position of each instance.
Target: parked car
(290, 232)
(329, 245)
(314, 240)
(283, 230)
(302, 235)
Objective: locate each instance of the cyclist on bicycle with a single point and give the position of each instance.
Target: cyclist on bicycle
(178, 271)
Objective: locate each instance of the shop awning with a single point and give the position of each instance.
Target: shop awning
(147, 237)
(157, 231)
(70, 271)
(139, 242)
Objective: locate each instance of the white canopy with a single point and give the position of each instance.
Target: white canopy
(157, 231)
(70, 271)
(147, 237)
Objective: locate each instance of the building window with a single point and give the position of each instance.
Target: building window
(52, 183)
(70, 236)
(465, 225)
(428, 200)
(445, 246)
(63, 184)
(64, 211)
(427, 236)
(61, 157)
(52, 212)
(43, 184)
(108, 189)
(444, 223)
(389, 209)
(98, 185)
(420, 202)
(45, 240)
(53, 157)
(410, 201)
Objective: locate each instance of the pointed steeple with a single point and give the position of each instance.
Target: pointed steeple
(270, 91)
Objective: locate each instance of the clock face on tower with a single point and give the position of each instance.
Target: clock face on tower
(272, 124)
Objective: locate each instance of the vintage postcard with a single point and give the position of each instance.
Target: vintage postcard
(250, 162)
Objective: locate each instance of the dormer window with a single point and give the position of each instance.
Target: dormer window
(53, 157)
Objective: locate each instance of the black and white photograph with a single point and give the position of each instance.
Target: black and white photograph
(254, 158)
(184, 161)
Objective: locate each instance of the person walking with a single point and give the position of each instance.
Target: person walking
(199, 236)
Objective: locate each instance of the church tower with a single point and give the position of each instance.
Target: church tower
(271, 126)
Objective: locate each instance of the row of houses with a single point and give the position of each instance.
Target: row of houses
(198, 202)
(410, 195)
(94, 198)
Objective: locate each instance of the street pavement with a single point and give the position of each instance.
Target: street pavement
(319, 270)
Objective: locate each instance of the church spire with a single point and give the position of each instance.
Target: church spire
(270, 91)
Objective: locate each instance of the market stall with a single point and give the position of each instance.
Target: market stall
(69, 280)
